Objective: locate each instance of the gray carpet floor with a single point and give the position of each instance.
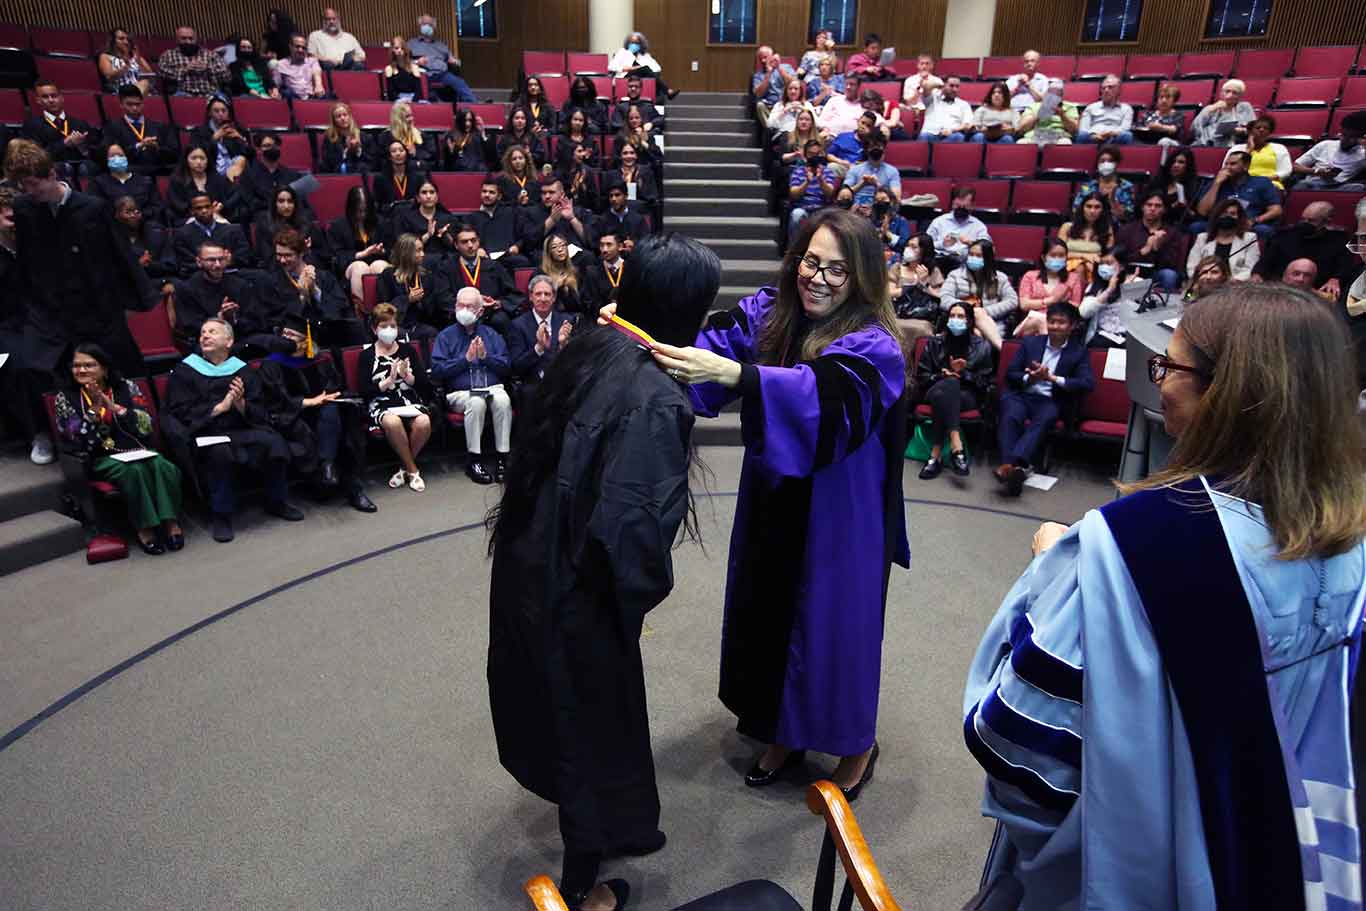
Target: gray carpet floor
(329, 746)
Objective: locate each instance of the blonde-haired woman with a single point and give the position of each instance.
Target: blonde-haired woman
(1212, 615)
(345, 149)
(557, 265)
(783, 116)
(421, 150)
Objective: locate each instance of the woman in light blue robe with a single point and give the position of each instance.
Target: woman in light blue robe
(1161, 702)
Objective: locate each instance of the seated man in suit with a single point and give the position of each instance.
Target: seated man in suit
(535, 336)
(72, 143)
(205, 225)
(214, 293)
(152, 148)
(603, 277)
(470, 360)
(501, 299)
(1049, 374)
(621, 219)
(300, 288)
(499, 225)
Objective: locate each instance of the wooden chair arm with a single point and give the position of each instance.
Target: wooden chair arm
(544, 895)
(824, 798)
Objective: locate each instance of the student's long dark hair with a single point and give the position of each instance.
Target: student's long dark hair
(1188, 181)
(354, 197)
(668, 284)
(1104, 227)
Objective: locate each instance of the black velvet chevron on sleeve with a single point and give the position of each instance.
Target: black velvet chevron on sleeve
(838, 378)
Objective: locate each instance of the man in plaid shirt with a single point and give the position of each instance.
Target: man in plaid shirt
(190, 69)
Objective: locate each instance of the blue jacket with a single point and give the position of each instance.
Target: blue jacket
(1074, 367)
(449, 364)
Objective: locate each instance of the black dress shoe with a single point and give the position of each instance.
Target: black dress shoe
(851, 793)
(759, 777)
(327, 474)
(932, 468)
(500, 468)
(222, 528)
(285, 510)
(154, 549)
(175, 542)
(959, 461)
(477, 473)
(641, 848)
(361, 502)
(621, 891)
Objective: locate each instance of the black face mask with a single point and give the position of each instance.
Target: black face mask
(875, 153)
(881, 208)
(1225, 222)
(845, 203)
(189, 50)
(271, 154)
(817, 161)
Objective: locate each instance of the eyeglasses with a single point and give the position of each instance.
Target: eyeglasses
(1358, 245)
(835, 274)
(1160, 364)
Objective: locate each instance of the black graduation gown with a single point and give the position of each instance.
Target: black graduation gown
(429, 315)
(512, 190)
(569, 596)
(331, 156)
(332, 308)
(258, 185)
(587, 194)
(475, 155)
(387, 192)
(629, 223)
(197, 299)
(534, 232)
(179, 192)
(189, 237)
(407, 218)
(500, 230)
(140, 187)
(290, 380)
(146, 160)
(494, 281)
(531, 142)
(53, 139)
(599, 287)
(157, 241)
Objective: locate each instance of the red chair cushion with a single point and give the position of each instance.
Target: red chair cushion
(1112, 429)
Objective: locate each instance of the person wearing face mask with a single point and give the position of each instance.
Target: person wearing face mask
(874, 174)
(1100, 305)
(955, 230)
(1313, 238)
(119, 180)
(333, 47)
(1258, 195)
(188, 69)
(1050, 283)
(1336, 164)
(813, 186)
(265, 175)
(633, 59)
(953, 375)
(397, 395)
(1118, 192)
(470, 361)
(988, 289)
(437, 61)
(1229, 238)
(917, 283)
(251, 73)
(891, 226)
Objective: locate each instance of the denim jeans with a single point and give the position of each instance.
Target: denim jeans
(1119, 139)
(935, 137)
(447, 79)
(1006, 139)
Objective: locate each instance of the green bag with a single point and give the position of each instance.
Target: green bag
(918, 449)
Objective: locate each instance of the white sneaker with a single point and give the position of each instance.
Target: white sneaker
(399, 479)
(41, 453)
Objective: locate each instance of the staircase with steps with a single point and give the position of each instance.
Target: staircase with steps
(31, 529)
(715, 192)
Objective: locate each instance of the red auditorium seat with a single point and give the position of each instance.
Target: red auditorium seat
(356, 85)
(70, 75)
(13, 37)
(1141, 161)
(556, 89)
(1259, 92)
(1210, 63)
(1011, 159)
(267, 114)
(316, 115)
(956, 159)
(1140, 93)
(368, 283)
(890, 91)
(908, 157)
(577, 63)
(495, 115)
(974, 93)
(995, 68)
(153, 46)
(187, 112)
(1315, 92)
(1353, 92)
(1208, 160)
(1301, 126)
(296, 151)
(1080, 93)
(439, 115)
(1341, 111)
(1263, 64)
(1067, 161)
(1334, 60)
(1196, 93)
(965, 68)
(61, 42)
(1151, 66)
(923, 410)
(939, 187)
(12, 110)
(1343, 206)
(376, 57)
(521, 277)
(1046, 199)
(543, 63)
(153, 106)
(84, 106)
(151, 330)
(1056, 66)
(458, 192)
(1104, 412)
(1098, 67)
(329, 200)
(371, 115)
(992, 196)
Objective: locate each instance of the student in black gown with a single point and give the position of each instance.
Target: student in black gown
(397, 180)
(470, 269)
(467, 146)
(499, 225)
(544, 117)
(582, 179)
(428, 219)
(518, 132)
(203, 225)
(517, 180)
(150, 242)
(621, 218)
(285, 211)
(583, 94)
(653, 120)
(298, 286)
(358, 241)
(213, 292)
(265, 175)
(153, 148)
(118, 180)
(602, 278)
(342, 147)
(195, 174)
(575, 132)
(420, 291)
(21, 403)
(632, 169)
(579, 559)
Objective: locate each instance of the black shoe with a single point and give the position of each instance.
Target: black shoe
(932, 468)
(759, 777)
(672, 93)
(327, 474)
(851, 793)
(285, 510)
(500, 467)
(175, 542)
(641, 848)
(154, 549)
(359, 501)
(1015, 482)
(621, 891)
(222, 528)
(959, 461)
(477, 473)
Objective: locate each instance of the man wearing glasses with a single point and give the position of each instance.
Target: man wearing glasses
(1356, 294)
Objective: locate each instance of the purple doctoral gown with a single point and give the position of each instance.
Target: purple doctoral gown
(818, 523)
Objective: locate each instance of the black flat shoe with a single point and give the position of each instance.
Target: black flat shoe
(153, 549)
(959, 461)
(477, 473)
(359, 501)
(931, 470)
(759, 777)
(851, 793)
(175, 542)
(621, 891)
(640, 848)
(285, 510)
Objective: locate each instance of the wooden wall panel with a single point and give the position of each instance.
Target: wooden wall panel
(1171, 26)
(677, 30)
(526, 25)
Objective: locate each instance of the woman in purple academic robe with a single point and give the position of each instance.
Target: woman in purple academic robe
(819, 371)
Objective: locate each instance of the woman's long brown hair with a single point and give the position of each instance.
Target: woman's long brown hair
(868, 301)
(1277, 424)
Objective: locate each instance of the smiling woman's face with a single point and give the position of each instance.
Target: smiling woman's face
(819, 298)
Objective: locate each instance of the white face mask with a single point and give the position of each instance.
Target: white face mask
(1105, 168)
(387, 335)
(466, 317)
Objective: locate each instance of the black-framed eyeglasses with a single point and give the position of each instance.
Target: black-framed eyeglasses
(835, 274)
(1160, 364)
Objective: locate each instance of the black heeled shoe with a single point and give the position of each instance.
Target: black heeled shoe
(759, 777)
(154, 548)
(621, 891)
(851, 793)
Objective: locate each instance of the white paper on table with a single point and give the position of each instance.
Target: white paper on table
(1041, 481)
(134, 455)
(1171, 323)
(1114, 337)
(4, 356)
(497, 254)
(404, 411)
(1116, 364)
(201, 442)
(574, 250)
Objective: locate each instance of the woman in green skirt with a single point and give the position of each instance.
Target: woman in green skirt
(103, 420)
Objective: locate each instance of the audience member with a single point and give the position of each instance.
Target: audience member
(342, 147)
(1117, 192)
(1303, 274)
(436, 60)
(499, 225)
(1259, 196)
(653, 120)
(1312, 238)
(915, 91)
(1180, 184)
(1265, 158)
(333, 47)
(1216, 123)
(995, 120)
(1027, 88)
(1163, 123)
(213, 395)
(517, 132)
(397, 393)
(824, 84)
(535, 337)
(516, 174)
(571, 291)
(1088, 234)
(118, 180)
(105, 423)
(581, 179)
(957, 228)
(1231, 240)
(783, 116)
(1336, 164)
(953, 375)
(847, 149)
(621, 219)
(583, 94)
(791, 148)
(633, 59)
(980, 283)
(471, 362)
(188, 69)
(402, 76)
(1211, 272)
(842, 112)
(557, 214)
(279, 28)
(633, 134)
(770, 75)
(1354, 304)
(474, 269)
(1045, 286)
(356, 241)
(1049, 374)
(227, 144)
(399, 178)
(249, 74)
(873, 174)
(211, 292)
(948, 118)
(867, 65)
(421, 150)
(284, 211)
(544, 117)
(265, 176)
(152, 148)
(1051, 121)
(1108, 120)
(822, 48)
(602, 277)
(812, 186)
(637, 176)
(420, 292)
(917, 286)
(574, 131)
(467, 146)
(121, 64)
(894, 230)
(1151, 239)
(1100, 305)
(297, 287)
(69, 141)
(149, 242)
(192, 178)
(426, 217)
